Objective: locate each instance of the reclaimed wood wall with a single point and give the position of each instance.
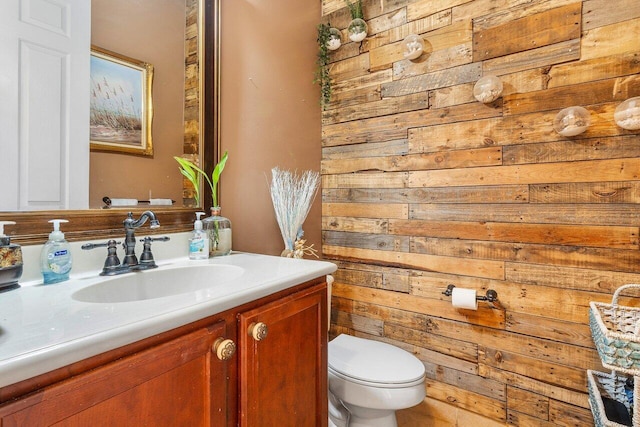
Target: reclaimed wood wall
(191, 141)
(423, 186)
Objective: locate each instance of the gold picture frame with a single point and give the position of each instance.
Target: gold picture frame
(121, 104)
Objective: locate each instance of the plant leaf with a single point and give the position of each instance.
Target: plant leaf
(192, 173)
(217, 171)
(215, 177)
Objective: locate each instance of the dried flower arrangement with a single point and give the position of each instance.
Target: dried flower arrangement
(292, 196)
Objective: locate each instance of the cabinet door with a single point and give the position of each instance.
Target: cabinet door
(178, 383)
(283, 375)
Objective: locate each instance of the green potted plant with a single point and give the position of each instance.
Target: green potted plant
(217, 227)
(193, 173)
(357, 27)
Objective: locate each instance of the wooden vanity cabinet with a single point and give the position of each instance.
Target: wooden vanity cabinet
(178, 379)
(283, 362)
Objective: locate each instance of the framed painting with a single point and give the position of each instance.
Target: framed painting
(121, 103)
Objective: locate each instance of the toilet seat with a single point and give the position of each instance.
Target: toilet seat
(374, 363)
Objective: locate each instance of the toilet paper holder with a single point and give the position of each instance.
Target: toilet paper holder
(491, 295)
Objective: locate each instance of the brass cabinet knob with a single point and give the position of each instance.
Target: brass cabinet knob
(224, 348)
(258, 331)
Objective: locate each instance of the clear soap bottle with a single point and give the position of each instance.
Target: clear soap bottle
(55, 258)
(199, 241)
(219, 232)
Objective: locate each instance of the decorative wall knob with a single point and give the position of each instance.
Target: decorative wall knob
(258, 331)
(224, 348)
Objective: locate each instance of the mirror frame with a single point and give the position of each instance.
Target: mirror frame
(33, 228)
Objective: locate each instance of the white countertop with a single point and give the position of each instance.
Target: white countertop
(43, 328)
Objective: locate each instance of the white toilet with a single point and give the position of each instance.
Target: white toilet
(370, 380)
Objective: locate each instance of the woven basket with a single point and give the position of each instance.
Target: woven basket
(616, 333)
(607, 385)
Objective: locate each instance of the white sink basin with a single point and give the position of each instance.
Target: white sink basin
(47, 327)
(158, 283)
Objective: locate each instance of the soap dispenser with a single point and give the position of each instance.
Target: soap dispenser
(55, 258)
(199, 241)
(10, 260)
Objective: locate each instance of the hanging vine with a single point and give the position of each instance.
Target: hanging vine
(322, 77)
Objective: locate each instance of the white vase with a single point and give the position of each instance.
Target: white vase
(571, 121)
(357, 30)
(413, 46)
(627, 114)
(218, 229)
(487, 89)
(335, 39)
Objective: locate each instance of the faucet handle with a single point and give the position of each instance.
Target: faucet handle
(146, 258)
(109, 243)
(112, 263)
(156, 239)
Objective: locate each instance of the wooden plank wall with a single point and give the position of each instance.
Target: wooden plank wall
(423, 186)
(191, 142)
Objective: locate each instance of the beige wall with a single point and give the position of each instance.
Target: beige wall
(270, 112)
(150, 31)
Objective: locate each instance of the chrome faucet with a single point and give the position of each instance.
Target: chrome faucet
(129, 245)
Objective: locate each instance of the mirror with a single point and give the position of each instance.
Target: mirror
(96, 224)
(164, 34)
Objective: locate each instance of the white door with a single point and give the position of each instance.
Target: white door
(44, 104)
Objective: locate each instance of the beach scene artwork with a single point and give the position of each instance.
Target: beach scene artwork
(118, 104)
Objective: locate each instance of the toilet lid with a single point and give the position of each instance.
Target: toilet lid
(373, 361)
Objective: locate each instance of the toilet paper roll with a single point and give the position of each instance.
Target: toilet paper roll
(464, 298)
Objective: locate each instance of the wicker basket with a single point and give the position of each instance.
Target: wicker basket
(607, 385)
(616, 333)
